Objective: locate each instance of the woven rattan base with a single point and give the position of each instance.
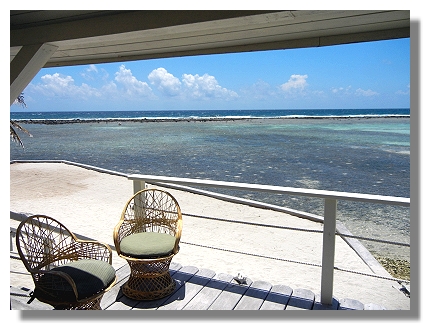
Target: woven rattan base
(87, 305)
(149, 280)
(149, 288)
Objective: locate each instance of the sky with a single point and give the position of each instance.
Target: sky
(359, 75)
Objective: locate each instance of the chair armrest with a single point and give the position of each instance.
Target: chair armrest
(122, 229)
(53, 283)
(178, 236)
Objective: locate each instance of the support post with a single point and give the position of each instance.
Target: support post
(138, 185)
(26, 64)
(329, 225)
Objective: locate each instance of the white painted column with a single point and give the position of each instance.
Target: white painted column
(329, 226)
(26, 64)
(138, 185)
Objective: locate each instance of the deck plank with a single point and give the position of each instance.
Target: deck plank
(20, 297)
(115, 292)
(230, 296)
(319, 306)
(254, 296)
(113, 296)
(20, 304)
(373, 307)
(122, 303)
(352, 304)
(192, 287)
(277, 298)
(301, 299)
(205, 297)
(181, 276)
(174, 267)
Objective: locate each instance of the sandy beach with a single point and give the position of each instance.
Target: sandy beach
(90, 203)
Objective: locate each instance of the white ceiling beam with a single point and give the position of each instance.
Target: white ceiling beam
(93, 37)
(26, 64)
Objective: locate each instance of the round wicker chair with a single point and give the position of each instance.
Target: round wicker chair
(148, 236)
(68, 273)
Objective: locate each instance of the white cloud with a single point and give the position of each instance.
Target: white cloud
(205, 87)
(318, 93)
(406, 92)
(260, 90)
(296, 81)
(341, 90)
(94, 73)
(165, 82)
(57, 81)
(110, 89)
(190, 87)
(64, 86)
(365, 93)
(132, 87)
(92, 68)
(126, 86)
(347, 91)
(89, 73)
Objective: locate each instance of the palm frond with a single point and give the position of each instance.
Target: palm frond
(14, 135)
(20, 100)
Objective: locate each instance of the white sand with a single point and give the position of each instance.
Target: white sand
(90, 204)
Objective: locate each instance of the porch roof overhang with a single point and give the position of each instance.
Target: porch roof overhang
(50, 38)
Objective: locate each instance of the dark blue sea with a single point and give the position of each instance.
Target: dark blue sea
(176, 114)
(363, 151)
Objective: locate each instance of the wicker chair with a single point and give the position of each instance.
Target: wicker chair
(68, 273)
(148, 236)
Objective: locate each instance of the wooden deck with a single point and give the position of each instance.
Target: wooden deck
(203, 289)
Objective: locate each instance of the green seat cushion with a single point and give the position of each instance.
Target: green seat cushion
(147, 245)
(90, 276)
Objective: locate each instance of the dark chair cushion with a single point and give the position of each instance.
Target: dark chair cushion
(147, 245)
(89, 275)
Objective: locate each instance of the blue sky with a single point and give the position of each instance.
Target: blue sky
(360, 75)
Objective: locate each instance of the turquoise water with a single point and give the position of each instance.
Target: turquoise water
(363, 155)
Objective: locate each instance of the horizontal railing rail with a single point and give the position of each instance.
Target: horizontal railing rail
(329, 218)
(373, 198)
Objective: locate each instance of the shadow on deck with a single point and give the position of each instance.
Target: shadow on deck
(203, 289)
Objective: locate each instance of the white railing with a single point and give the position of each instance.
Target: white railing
(329, 219)
(330, 207)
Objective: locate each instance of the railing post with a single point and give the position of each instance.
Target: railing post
(13, 236)
(329, 225)
(138, 185)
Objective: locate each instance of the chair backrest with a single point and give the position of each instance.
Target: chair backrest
(151, 210)
(43, 243)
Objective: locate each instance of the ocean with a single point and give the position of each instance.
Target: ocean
(363, 151)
